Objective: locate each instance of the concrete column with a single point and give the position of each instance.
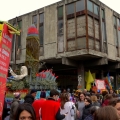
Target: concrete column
(81, 77)
(115, 80)
(102, 74)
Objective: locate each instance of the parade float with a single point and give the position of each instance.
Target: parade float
(20, 80)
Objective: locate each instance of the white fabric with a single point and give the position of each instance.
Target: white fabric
(23, 71)
(67, 108)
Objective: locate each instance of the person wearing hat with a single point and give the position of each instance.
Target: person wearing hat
(14, 105)
(29, 98)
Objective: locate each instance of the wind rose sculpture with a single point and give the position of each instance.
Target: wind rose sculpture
(45, 80)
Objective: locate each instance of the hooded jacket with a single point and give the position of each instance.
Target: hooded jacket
(86, 111)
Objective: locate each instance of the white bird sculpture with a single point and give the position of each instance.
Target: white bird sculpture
(23, 73)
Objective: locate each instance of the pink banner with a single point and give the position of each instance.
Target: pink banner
(100, 84)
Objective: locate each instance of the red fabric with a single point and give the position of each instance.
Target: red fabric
(37, 104)
(59, 100)
(105, 103)
(50, 109)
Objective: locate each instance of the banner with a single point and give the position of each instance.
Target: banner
(89, 79)
(100, 84)
(5, 49)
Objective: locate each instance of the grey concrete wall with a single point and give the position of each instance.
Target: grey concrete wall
(110, 34)
(50, 31)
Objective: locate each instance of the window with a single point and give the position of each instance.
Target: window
(34, 20)
(19, 37)
(96, 9)
(104, 37)
(41, 32)
(93, 26)
(42, 18)
(80, 5)
(41, 35)
(115, 30)
(70, 9)
(60, 20)
(60, 27)
(18, 41)
(60, 30)
(103, 14)
(90, 6)
(60, 12)
(41, 28)
(103, 26)
(119, 31)
(115, 26)
(76, 25)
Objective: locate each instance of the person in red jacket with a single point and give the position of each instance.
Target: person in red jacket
(37, 104)
(51, 108)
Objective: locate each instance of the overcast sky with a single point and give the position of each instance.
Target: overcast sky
(12, 8)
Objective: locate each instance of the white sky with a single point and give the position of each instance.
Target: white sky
(12, 8)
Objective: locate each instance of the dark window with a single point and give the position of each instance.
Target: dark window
(41, 28)
(96, 9)
(60, 27)
(70, 9)
(103, 26)
(42, 18)
(34, 20)
(103, 31)
(119, 22)
(119, 31)
(115, 30)
(80, 5)
(60, 12)
(41, 35)
(90, 6)
(103, 14)
(115, 21)
(19, 37)
(60, 34)
(20, 24)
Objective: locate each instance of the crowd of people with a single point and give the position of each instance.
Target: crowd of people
(79, 105)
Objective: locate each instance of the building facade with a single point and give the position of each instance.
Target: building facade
(75, 36)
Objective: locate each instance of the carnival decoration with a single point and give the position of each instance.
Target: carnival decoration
(44, 80)
(23, 73)
(32, 50)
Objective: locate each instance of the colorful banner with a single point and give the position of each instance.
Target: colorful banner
(100, 84)
(5, 49)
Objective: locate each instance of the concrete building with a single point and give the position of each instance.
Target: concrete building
(75, 36)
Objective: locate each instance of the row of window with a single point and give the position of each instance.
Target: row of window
(76, 26)
(41, 26)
